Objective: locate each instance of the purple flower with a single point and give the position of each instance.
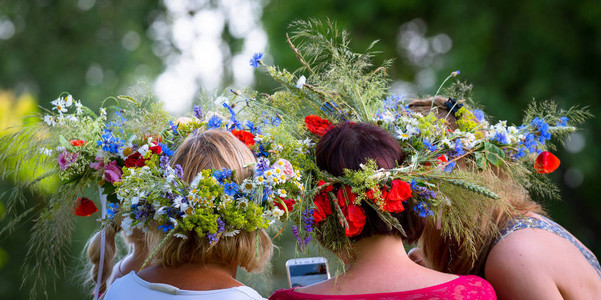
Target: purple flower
(197, 112)
(212, 237)
(112, 172)
(179, 172)
(256, 60)
(163, 161)
(65, 159)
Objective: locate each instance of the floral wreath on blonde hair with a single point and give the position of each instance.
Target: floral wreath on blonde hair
(126, 156)
(343, 86)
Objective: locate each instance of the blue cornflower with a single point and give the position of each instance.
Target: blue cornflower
(173, 127)
(522, 151)
(275, 121)
(111, 210)
(166, 227)
(563, 121)
(166, 149)
(449, 167)
(429, 145)
(230, 189)
(222, 175)
(478, 114)
(423, 210)
(501, 138)
(261, 152)
(414, 185)
(109, 142)
(543, 129)
(458, 150)
(251, 127)
(197, 112)
(214, 122)
(179, 172)
(255, 60)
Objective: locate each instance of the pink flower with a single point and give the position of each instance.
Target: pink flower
(285, 166)
(65, 159)
(112, 172)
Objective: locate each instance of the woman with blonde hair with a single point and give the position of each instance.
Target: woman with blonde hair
(196, 255)
(528, 256)
(137, 253)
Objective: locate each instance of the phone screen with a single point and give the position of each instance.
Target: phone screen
(302, 275)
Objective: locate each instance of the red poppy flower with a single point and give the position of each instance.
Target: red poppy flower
(77, 143)
(288, 202)
(355, 217)
(84, 207)
(442, 159)
(350, 197)
(134, 160)
(322, 207)
(546, 162)
(317, 125)
(399, 192)
(156, 149)
(244, 136)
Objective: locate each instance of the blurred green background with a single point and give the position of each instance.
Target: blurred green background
(511, 51)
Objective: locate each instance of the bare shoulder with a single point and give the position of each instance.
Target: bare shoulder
(537, 264)
(521, 265)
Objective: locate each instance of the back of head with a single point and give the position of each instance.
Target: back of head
(213, 149)
(442, 252)
(347, 146)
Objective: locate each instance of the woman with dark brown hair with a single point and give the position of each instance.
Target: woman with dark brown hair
(528, 257)
(378, 266)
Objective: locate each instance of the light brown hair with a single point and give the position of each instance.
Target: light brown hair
(445, 254)
(213, 149)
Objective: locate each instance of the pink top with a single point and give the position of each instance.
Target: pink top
(464, 287)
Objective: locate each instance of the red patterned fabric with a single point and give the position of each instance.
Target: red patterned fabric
(465, 287)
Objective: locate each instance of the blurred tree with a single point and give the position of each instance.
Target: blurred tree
(91, 48)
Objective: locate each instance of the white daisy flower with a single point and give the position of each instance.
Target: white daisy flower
(231, 233)
(78, 107)
(59, 105)
(49, 120)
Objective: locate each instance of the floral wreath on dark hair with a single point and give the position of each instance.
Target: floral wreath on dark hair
(343, 86)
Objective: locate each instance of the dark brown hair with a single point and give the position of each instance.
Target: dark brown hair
(347, 146)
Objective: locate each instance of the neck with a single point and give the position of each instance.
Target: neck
(379, 249)
(192, 276)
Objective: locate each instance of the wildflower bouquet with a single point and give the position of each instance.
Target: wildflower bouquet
(342, 86)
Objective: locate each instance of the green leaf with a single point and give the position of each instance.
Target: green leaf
(480, 160)
(63, 141)
(494, 154)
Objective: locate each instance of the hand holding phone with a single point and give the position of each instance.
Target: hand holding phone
(307, 271)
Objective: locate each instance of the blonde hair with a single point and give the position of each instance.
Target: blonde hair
(213, 149)
(93, 247)
(445, 254)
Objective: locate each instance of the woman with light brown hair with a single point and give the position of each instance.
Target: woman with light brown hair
(528, 256)
(137, 253)
(185, 265)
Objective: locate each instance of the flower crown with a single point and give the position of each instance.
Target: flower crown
(127, 153)
(343, 86)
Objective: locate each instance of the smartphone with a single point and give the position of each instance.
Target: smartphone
(307, 271)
